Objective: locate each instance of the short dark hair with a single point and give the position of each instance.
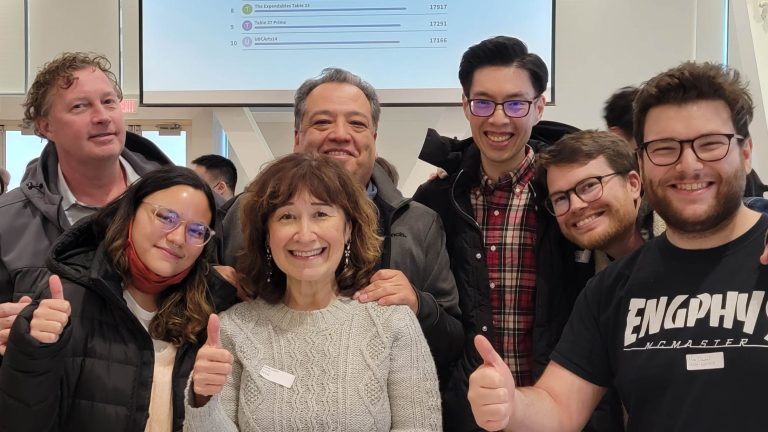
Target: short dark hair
(583, 147)
(334, 75)
(328, 181)
(60, 72)
(220, 168)
(183, 309)
(692, 82)
(617, 111)
(502, 51)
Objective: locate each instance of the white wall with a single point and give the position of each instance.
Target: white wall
(748, 52)
(601, 45)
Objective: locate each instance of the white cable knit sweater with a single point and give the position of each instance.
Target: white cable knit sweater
(358, 367)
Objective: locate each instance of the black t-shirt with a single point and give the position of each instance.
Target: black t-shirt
(682, 334)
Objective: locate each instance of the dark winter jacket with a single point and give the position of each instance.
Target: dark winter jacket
(98, 376)
(560, 275)
(31, 217)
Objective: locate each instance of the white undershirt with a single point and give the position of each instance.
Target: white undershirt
(144, 317)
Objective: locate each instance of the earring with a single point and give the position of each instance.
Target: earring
(347, 248)
(269, 264)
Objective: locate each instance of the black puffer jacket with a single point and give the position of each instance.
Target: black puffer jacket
(560, 277)
(98, 377)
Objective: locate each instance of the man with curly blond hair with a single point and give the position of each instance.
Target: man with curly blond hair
(74, 103)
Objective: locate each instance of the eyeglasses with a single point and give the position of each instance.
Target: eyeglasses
(512, 108)
(708, 148)
(588, 190)
(196, 233)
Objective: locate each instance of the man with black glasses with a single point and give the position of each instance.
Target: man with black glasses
(516, 274)
(678, 327)
(591, 184)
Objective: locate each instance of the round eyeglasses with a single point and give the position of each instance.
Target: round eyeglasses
(588, 190)
(514, 108)
(707, 148)
(196, 233)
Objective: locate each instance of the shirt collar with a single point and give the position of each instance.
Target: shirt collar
(68, 198)
(371, 190)
(511, 178)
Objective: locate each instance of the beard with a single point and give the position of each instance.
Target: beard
(721, 209)
(622, 222)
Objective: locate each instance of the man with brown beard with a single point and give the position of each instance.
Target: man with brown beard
(592, 185)
(681, 322)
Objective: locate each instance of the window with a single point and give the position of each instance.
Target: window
(174, 146)
(19, 151)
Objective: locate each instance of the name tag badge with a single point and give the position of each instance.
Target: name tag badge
(713, 360)
(277, 376)
(582, 256)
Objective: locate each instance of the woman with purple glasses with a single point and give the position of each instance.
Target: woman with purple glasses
(131, 296)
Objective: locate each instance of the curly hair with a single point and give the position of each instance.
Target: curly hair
(60, 72)
(182, 309)
(328, 181)
(692, 82)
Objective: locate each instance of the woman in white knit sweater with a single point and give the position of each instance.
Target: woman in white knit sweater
(302, 355)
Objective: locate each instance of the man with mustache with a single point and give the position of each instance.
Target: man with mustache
(337, 114)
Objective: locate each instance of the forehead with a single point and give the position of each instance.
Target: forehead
(501, 82)
(340, 98)
(85, 81)
(688, 120)
(189, 202)
(562, 177)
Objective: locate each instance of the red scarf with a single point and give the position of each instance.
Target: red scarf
(144, 279)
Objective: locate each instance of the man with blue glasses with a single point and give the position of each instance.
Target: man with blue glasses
(516, 274)
(678, 327)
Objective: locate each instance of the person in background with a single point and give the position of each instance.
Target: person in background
(219, 172)
(302, 354)
(131, 295)
(617, 113)
(90, 159)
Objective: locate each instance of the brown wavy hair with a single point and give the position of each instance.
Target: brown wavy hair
(328, 181)
(183, 308)
(60, 72)
(691, 82)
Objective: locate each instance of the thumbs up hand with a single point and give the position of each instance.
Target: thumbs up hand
(50, 318)
(213, 365)
(491, 388)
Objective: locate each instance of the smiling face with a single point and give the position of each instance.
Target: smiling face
(606, 222)
(306, 238)
(337, 122)
(690, 195)
(500, 138)
(168, 253)
(85, 121)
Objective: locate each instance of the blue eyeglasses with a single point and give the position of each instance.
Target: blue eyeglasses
(196, 233)
(514, 108)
